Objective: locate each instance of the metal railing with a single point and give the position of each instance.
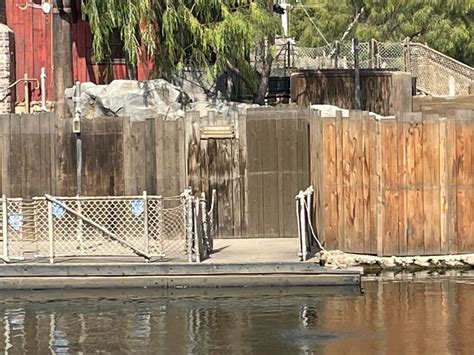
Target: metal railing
(179, 227)
(436, 73)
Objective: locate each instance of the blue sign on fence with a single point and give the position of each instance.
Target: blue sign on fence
(58, 211)
(15, 220)
(137, 207)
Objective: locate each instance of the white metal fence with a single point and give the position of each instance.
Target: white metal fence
(177, 228)
(436, 73)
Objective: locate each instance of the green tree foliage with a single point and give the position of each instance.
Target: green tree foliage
(445, 25)
(214, 35)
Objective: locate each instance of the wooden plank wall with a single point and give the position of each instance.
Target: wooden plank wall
(277, 168)
(397, 186)
(120, 156)
(382, 92)
(256, 171)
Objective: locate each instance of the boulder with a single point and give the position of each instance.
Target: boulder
(138, 100)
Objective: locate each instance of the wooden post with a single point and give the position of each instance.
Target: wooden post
(145, 223)
(406, 55)
(51, 232)
(62, 57)
(5, 227)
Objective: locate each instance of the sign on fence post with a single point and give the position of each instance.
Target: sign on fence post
(5, 227)
(51, 232)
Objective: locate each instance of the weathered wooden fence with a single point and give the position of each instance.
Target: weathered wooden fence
(382, 92)
(401, 186)
(257, 162)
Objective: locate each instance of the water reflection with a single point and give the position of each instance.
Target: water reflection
(422, 316)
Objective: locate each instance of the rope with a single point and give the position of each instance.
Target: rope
(317, 29)
(311, 226)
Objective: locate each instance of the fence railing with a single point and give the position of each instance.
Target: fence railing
(436, 73)
(178, 228)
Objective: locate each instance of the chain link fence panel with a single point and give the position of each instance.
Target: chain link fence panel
(438, 74)
(150, 226)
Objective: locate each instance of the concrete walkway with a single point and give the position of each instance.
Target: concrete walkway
(255, 250)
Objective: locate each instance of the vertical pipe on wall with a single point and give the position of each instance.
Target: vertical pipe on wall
(27, 92)
(43, 89)
(76, 127)
(357, 101)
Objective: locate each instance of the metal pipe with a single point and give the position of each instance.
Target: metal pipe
(77, 129)
(43, 89)
(27, 92)
(357, 101)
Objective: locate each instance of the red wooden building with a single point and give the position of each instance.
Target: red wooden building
(61, 42)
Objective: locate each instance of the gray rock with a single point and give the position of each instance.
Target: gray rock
(469, 260)
(421, 262)
(129, 98)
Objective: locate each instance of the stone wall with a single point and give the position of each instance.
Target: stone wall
(7, 69)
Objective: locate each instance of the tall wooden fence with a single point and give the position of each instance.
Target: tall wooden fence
(401, 186)
(255, 173)
(257, 163)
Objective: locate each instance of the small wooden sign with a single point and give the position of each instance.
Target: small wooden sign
(218, 132)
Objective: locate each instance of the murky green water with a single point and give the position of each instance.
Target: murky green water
(421, 316)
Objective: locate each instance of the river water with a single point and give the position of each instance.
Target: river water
(408, 315)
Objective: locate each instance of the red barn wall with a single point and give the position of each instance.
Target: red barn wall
(32, 31)
(33, 42)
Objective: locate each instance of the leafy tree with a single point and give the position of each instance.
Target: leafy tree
(214, 35)
(445, 25)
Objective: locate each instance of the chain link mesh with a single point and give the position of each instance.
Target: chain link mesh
(390, 55)
(152, 225)
(437, 74)
(167, 227)
(15, 224)
(312, 58)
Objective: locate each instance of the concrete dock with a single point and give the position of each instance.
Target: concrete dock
(235, 263)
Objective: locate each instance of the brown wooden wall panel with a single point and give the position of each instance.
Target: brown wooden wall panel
(382, 92)
(405, 184)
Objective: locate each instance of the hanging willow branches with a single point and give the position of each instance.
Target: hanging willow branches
(212, 35)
